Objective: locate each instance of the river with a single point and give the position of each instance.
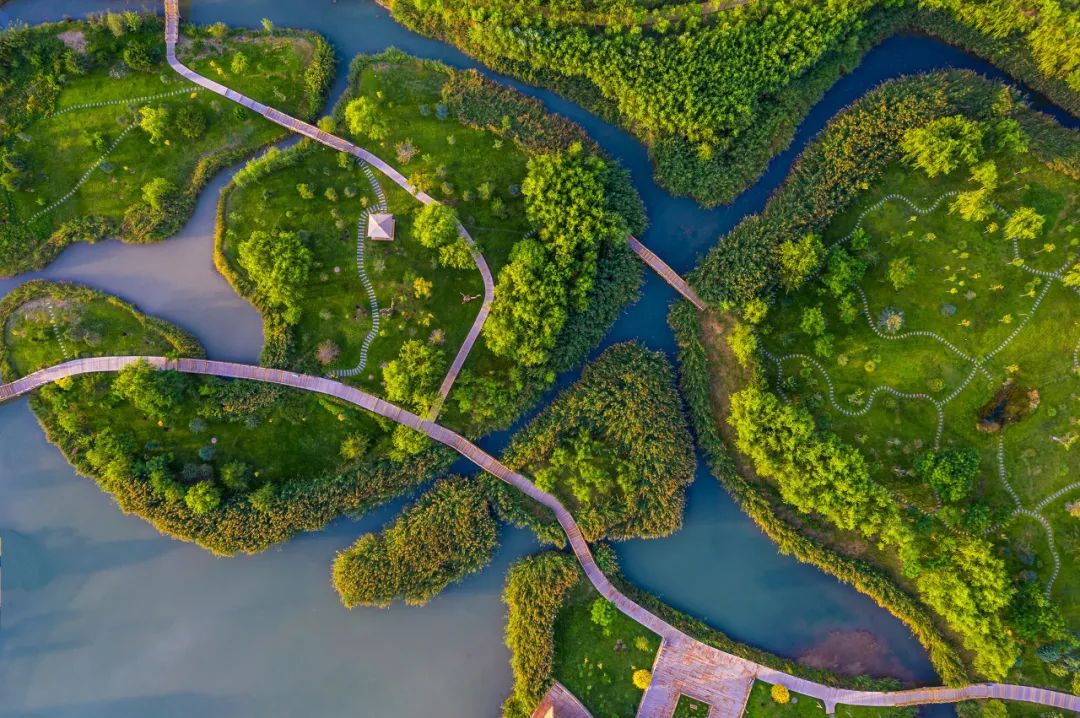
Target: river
(104, 617)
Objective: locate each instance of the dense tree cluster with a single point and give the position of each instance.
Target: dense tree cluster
(614, 447)
(447, 534)
(715, 98)
(552, 276)
(535, 590)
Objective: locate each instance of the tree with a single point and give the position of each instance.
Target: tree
(530, 306)
(743, 343)
(413, 377)
(239, 64)
(155, 121)
(642, 678)
(780, 693)
(603, 614)
(986, 174)
(754, 311)
(154, 393)
(327, 352)
(218, 30)
(236, 476)
(436, 225)
(1024, 224)
(844, 270)
(799, 259)
(812, 322)
(138, 56)
(447, 534)
(354, 446)
(304, 190)
(203, 497)
(268, 25)
(13, 170)
(191, 121)
(1072, 277)
(456, 255)
(1005, 135)
(422, 288)
(279, 267)
(363, 119)
(951, 472)
(974, 205)
(943, 144)
(158, 193)
(901, 273)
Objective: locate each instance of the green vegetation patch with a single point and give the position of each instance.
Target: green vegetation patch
(763, 703)
(547, 211)
(716, 89)
(598, 650)
(687, 707)
(882, 314)
(614, 448)
(232, 465)
(447, 534)
(101, 138)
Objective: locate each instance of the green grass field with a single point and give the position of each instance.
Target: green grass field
(974, 317)
(687, 707)
(294, 436)
(472, 169)
(761, 705)
(597, 663)
(96, 122)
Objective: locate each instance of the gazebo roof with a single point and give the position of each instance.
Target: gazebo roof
(380, 225)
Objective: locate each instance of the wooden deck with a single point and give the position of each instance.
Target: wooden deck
(684, 665)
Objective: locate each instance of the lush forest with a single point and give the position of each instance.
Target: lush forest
(450, 532)
(883, 530)
(716, 94)
(100, 138)
(614, 448)
(547, 210)
(231, 465)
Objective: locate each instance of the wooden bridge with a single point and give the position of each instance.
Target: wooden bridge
(684, 664)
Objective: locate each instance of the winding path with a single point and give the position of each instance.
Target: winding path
(172, 34)
(684, 664)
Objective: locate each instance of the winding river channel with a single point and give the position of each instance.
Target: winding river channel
(104, 617)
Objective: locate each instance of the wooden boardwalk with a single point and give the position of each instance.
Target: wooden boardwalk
(559, 702)
(172, 34)
(666, 273)
(683, 665)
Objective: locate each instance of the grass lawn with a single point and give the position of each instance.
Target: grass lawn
(971, 292)
(473, 169)
(761, 705)
(291, 435)
(687, 707)
(64, 183)
(597, 663)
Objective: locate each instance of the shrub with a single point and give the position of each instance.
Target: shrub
(447, 534)
(642, 678)
(780, 694)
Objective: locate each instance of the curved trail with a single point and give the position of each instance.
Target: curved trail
(720, 678)
(172, 33)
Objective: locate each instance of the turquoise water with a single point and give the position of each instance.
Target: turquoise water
(104, 617)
